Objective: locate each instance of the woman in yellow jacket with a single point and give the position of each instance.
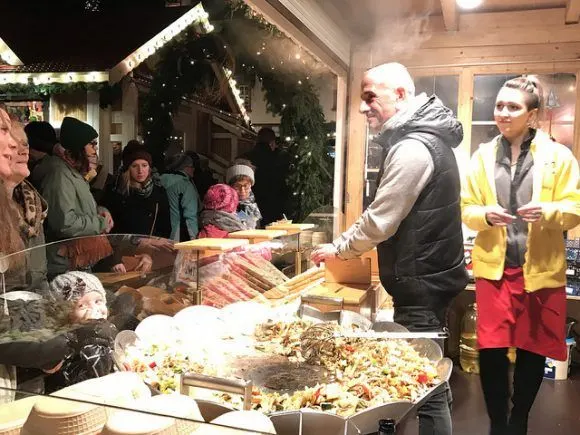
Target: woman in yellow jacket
(521, 195)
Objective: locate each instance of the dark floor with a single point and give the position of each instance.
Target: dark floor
(555, 412)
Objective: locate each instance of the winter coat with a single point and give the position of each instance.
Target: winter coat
(135, 214)
(72, 210)
(184, 205)
(270, 188)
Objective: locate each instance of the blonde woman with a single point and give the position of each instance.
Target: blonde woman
(521, 195)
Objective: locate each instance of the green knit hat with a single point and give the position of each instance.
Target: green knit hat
(75, 134)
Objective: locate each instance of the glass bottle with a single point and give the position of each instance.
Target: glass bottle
(386, 426)
(468, 352)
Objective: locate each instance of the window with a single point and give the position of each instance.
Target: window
(246, 95)
(559, 104)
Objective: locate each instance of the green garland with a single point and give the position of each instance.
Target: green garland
(12, 91)
(185, 69)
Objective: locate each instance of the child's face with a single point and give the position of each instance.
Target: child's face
(243, 187)
(92, 306)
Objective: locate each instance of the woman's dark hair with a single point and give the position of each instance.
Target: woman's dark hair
(532, 89)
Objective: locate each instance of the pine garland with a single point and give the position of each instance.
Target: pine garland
(11, 91)
(255, 50)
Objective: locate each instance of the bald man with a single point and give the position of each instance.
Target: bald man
(414, 219)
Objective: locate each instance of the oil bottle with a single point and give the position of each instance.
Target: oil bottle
(468, 353)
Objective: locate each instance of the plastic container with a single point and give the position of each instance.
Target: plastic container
(559, 370)
(468, 352)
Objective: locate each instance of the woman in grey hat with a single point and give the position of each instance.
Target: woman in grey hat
(240, 176)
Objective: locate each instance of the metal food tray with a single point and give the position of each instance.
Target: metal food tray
(313, 422)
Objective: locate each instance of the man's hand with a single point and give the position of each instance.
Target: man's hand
(145, 263)
(498, 216)
(323, 252)
(530, 212)
(119, 268)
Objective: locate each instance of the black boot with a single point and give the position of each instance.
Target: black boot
(528, 376)
(493, 372)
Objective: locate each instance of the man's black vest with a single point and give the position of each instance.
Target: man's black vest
(423, 263)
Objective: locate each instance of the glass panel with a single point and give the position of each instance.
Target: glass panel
(559, 103)
(445, 87)
(481, 134)
(485, 89)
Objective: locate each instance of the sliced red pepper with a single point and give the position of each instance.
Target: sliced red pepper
(422, 378)
(152, 364)
(349, 348)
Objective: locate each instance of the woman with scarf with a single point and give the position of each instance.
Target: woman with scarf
(219, 217)
(32, 210)
(240, 176)
(72, 212)
(138, 204)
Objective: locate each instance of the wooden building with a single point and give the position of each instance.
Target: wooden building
(113, 62)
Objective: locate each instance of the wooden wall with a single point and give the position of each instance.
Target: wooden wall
(485, 43)
(72, 104)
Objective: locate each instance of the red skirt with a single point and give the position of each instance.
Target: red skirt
(508, 316)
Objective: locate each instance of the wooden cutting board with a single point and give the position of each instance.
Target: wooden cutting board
(218, 245)
(256, 236)
(351, 295)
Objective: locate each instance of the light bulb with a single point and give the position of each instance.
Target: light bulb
(468, 4)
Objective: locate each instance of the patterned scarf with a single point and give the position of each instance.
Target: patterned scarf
(249, 207)
(32, 207)
(226, 221)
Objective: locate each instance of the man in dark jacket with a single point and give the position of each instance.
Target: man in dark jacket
(272, 167)
(415, 217)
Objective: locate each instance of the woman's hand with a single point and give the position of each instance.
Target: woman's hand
(145, 263)
(498, 216)
(530, 212)
(119, 268)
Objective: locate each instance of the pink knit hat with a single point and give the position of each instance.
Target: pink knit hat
(221, 197)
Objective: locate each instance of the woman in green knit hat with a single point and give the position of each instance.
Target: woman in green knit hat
(72, 211)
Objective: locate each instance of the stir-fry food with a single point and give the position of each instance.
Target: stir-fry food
(367, 372)
(361, 372)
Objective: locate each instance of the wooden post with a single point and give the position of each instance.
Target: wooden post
(575, 233)
(105, 147)
(465, 107)
(356, 143)
(339, 152)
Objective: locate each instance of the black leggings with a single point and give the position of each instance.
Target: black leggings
(494, 373)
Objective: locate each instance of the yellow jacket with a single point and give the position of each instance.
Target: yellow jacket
(556, 186)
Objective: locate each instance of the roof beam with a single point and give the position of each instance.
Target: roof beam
(450, 14)
(311, 28)
(572, 11)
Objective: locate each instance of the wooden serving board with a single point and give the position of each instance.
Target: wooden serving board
(217, 245)
(108, 278)
(291, 228)
(255, 236)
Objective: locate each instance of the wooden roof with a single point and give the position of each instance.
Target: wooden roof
(364, 17)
